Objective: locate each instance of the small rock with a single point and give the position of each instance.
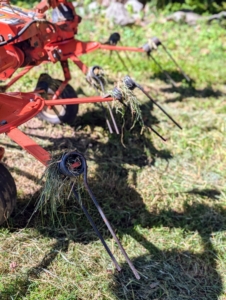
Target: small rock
(118, 13)
(136, 6)
(93, 6)
(106, 3)
(80, 11)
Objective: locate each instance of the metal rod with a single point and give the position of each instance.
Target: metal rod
(109, 107)
(161, 137)
(105, 115)
(165, 72)
(108, 224)
(162, 109)
(175, 62)
(12, 81)
(127, 56)
(69, 101)
(120, 48)
(122, 61)
(96, 230)
(112, 118)
(130, 61)
(109, 125)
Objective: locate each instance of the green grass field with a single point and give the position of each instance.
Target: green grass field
(166, 200)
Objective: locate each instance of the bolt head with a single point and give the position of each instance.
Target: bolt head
(3, 122)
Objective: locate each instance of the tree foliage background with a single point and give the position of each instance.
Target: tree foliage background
(199, 6)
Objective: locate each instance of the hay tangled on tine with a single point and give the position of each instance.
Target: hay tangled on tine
(56, 192)
(129, 101)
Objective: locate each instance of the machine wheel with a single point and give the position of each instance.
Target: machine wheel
(7, 194)
(59, 113)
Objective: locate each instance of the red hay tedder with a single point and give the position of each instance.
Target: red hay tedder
(28, 39)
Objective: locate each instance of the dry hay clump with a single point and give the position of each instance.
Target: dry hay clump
(128, 107)
(56, 200)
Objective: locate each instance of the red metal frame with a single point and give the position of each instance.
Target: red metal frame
(29, 145)
(21, 107)
(29, 42)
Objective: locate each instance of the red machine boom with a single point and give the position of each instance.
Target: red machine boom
(28, 39)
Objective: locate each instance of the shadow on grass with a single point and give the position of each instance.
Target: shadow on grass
(210, 193)
(166, 274)
(172, 275)
(189, 91)
(186, 90)
(176, 274)
(174, 74)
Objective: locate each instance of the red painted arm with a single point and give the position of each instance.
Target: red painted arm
(44, 5)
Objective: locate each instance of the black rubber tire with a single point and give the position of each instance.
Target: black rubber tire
(7, 194)
(67, 113)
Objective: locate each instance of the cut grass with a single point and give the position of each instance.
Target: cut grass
(166, 200)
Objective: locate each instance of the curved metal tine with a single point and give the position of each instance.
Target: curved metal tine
(119, 56)
(122, 61)
(55, 110)
(96, 230)
(165, 72)
(108, 105)
(103, 216)
(128, 57)
(159, 135)
(104, 111)
(107, 121)
(106, 118)
(175, 62)
(113, 118)
(162, 109)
